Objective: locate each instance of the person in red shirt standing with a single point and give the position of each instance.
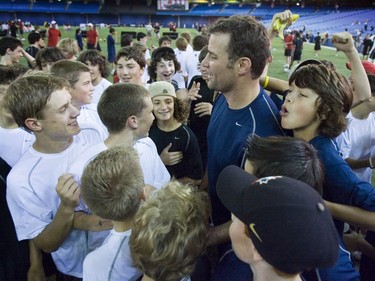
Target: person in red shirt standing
(92, 37)
(53, 35)
(288, 45)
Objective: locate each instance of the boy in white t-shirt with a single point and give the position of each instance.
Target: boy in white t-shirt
(126, 110)
(99, 70)
(79, 78)
(40, 195)
(112, 186)
(13, 140)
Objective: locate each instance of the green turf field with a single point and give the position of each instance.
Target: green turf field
(275, 70)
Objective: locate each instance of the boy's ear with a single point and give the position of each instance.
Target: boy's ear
(33, 124)
(132, 122)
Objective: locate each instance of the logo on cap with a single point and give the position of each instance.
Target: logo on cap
(165, 91)
(265, 180)
(252, 228)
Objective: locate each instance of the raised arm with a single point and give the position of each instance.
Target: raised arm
(343, 41)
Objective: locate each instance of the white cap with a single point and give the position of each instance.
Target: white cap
(90, 24)
(53, 22)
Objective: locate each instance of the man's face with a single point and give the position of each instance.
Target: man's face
(16, 54)
(129, 71)
(145, 119)
(60, 117)
(219, 76)
(165, 70)
(82, 90)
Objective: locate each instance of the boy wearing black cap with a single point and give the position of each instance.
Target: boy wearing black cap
(287, 221)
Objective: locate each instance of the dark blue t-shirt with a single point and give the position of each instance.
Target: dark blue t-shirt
(227, 136)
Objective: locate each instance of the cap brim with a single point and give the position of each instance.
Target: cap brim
(231, 185)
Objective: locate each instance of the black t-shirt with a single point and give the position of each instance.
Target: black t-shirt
(184, 140)
(198, 124)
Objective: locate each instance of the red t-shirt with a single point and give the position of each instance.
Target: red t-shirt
(91, 36)
(288, 41)
(53, 37)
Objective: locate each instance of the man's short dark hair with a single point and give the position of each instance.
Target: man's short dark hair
(248, 38)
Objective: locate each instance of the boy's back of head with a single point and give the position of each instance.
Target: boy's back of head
(199, 41)
(170, 232)
(287, 220)
(285, 156)
(69, 70)
(112, 184)
(119, 102)
(181, 43)
(33, 37)
(126, 40)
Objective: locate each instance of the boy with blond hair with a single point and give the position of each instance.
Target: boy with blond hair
(40, 195)
(170, 232)
(112, 187)
(79, 78)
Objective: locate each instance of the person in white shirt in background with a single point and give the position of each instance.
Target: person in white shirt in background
(192, 59)
(99, 70)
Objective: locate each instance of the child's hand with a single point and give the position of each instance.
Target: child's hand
(68, 190)
(194, 90)
(170, 158)
(203, 108)
(343, 41)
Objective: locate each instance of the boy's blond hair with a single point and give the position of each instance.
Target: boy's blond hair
(112, 184)
(170, 232)
(70, 70)
(28, 96)
(69, 46)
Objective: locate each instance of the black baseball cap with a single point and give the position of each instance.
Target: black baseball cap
(289, 223)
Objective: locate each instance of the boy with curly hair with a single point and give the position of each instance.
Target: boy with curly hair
(170, 233)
